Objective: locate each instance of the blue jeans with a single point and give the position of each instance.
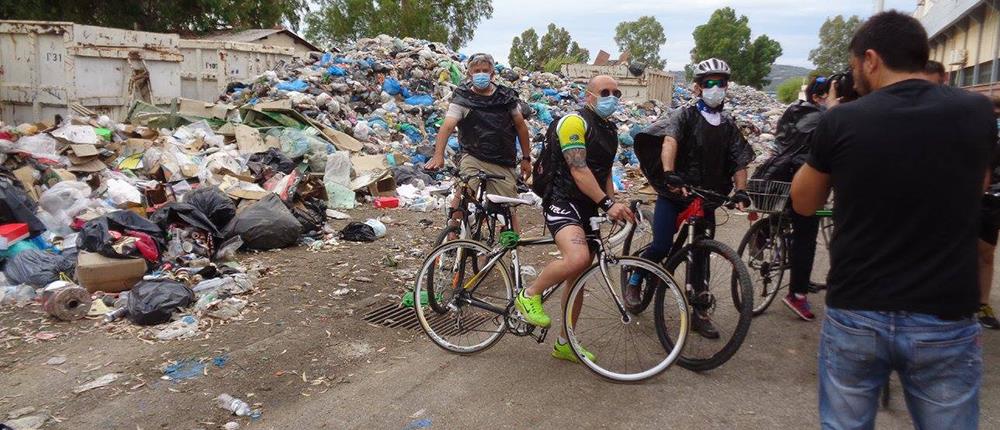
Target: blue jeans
(665, 226)
(939, 363)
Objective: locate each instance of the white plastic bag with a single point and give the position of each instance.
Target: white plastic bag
(121, 192)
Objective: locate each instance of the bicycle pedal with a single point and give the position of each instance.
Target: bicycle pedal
(540, 337)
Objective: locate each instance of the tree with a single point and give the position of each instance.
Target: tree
(835, 35)
(789, 89)
(555, 48)
(642, 38)
(449, 21)
(177, 16)
(727, 37)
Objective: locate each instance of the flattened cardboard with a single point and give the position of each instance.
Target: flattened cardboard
(96, 272)
(91, 166)
(26, 175)
(249, 141)
(84, 150)
(342, 141)
(369, 164)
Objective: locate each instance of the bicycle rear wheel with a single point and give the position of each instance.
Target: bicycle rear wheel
(473, 318)
(720, 295)
(626, 347)
(763, 251)
(635, 244)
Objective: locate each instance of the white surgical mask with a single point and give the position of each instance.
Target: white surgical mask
(713, 97)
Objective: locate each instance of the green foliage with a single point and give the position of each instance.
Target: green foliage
(727, 38)
(642, 38)
(835, 35)
(788, 91)
(555, 48)
(449, 21)
(176, 16)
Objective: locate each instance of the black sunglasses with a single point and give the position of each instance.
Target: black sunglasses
(712, 83)
(607, 92)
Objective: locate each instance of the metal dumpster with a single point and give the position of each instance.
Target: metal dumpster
(210, 65)
(652, 85)
(48, 66)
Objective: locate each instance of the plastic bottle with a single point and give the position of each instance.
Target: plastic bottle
(234, 405)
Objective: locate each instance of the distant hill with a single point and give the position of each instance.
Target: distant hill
(779, 73)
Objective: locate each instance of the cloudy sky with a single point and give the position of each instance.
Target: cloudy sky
(793, 23)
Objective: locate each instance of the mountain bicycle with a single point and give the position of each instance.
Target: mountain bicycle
(717, 283)
(766, 246)
(470, 305)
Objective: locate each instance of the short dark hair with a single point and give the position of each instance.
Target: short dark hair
(934, 68)
(818, 86)
(898, 38)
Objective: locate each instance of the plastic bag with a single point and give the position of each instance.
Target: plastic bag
(183, 213)
(38, 268)
(419, 100)
(38, 146)
(392, 86)
(295, 143)
(121, 192)
(154, 301)
(335, 71)
(377, 226)
(337, 180)
(215, 204)
(296, 85)
(358, 232)
(273, 160)
(267, 224)
(96, 234)
(16, 205)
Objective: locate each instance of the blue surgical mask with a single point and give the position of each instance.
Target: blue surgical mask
(606, 106)
(481, 80)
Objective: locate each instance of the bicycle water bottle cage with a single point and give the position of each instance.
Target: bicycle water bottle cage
(694, 210)
(509, 239)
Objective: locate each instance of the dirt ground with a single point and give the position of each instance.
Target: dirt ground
(305, 358)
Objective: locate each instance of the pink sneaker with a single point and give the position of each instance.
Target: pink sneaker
(800, 306)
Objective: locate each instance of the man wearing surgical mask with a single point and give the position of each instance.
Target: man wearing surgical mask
(581, 187)
(697, 145)
(489, 122)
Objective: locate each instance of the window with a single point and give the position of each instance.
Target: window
(953, 79)
(967, 75)
(985, 73)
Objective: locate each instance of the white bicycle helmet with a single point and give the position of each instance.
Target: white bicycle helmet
(711, 66)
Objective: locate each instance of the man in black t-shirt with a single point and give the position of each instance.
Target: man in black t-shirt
(906, 163)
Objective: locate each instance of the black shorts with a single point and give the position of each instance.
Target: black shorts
(559, 214)
(988, 231)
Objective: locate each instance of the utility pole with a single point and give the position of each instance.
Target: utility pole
(879, 6)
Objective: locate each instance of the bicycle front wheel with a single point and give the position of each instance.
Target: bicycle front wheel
(720, 297)
(625, 347)
(473, 318)
(763, 251)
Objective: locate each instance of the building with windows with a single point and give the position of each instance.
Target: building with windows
(964, 35)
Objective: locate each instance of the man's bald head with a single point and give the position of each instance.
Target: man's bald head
(598, 84)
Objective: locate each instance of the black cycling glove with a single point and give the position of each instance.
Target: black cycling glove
(741, 197)
(672, 179)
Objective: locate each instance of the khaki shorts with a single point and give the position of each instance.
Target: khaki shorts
(506, 187)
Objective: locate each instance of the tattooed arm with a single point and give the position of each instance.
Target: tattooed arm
(576, 158)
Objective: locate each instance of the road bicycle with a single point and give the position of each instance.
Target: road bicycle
(766, 247)
(469, 292)
(717, 284)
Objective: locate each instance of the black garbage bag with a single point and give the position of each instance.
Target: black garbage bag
(96, 233)
(183, 213)
(215, 204)
(38, 268)
(267, 224)
(153, 302)
(404, 175)
(17, 206)
(358, 232)
(273, 159)
(311, 213)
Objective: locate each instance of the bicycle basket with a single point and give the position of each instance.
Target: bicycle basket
(768, 196)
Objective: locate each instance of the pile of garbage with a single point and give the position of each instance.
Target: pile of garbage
(141, 219)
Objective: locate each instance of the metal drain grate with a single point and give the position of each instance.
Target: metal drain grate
(395, 316)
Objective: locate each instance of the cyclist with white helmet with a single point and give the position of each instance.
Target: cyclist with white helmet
(697, 145)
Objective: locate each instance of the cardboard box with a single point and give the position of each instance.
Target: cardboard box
(96, 272)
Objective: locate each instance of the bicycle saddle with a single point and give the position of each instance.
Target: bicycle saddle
(498, 199)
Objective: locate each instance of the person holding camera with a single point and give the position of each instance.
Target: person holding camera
(698, 145)
(906, 164)
(795, 128)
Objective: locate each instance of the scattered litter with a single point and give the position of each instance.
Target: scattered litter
(103, 381)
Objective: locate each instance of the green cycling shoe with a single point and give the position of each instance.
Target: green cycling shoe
(563, 351)
(532, 311)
